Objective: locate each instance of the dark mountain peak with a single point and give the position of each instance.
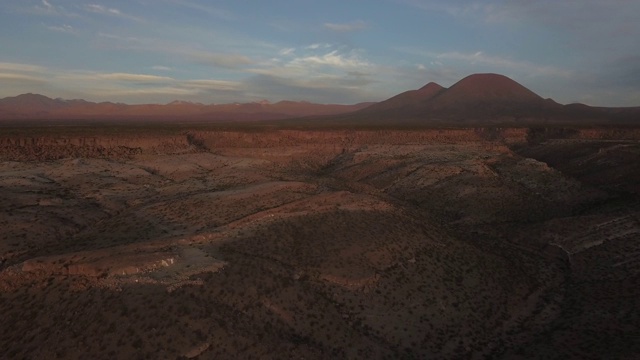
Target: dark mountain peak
(431, 87)
(488, 87)
(28, 97)
(33, 102)
(409, 98)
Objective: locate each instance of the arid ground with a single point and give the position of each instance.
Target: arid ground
(262, 243)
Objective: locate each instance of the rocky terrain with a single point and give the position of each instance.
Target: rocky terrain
(257, 242)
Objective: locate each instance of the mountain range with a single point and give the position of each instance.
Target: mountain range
(35, 106)
(478, 99)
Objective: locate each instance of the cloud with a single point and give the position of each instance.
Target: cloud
(207, 9)
(136, 78)
(161, 68)
(103, 10)
(62, 29)
(346, 27)
(48, 8)
(318, 46)
(144, 88)
(120, 42)
(332, 59)
(84, 79)
(227, 61)
(21, 68)
(287, 51)
(201, 90)
(21, 78)
(317, 66)
(314, 73)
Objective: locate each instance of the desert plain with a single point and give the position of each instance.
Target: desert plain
(269, 240)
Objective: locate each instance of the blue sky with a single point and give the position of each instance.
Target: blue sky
(348, 51)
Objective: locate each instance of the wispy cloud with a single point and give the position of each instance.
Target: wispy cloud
(139, 88)
(332, 59)
(136, 78)
(287, 51)
(346, 27)
(62, 29)
(203, 90)
(129, 40)
(207, 9)
(48, 8)
(14, 67)
(319, 73)
(314, 62)
(22, 78)
(103, 10)
(161, 68)
(318, 46)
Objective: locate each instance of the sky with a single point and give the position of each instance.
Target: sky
(324, 51)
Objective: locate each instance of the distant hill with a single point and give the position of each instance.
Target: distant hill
(35, 107)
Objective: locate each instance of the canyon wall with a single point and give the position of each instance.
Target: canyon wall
(349, 138)
(22, 147)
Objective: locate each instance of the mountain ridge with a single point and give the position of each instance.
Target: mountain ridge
(484, 99)
(36, 106)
